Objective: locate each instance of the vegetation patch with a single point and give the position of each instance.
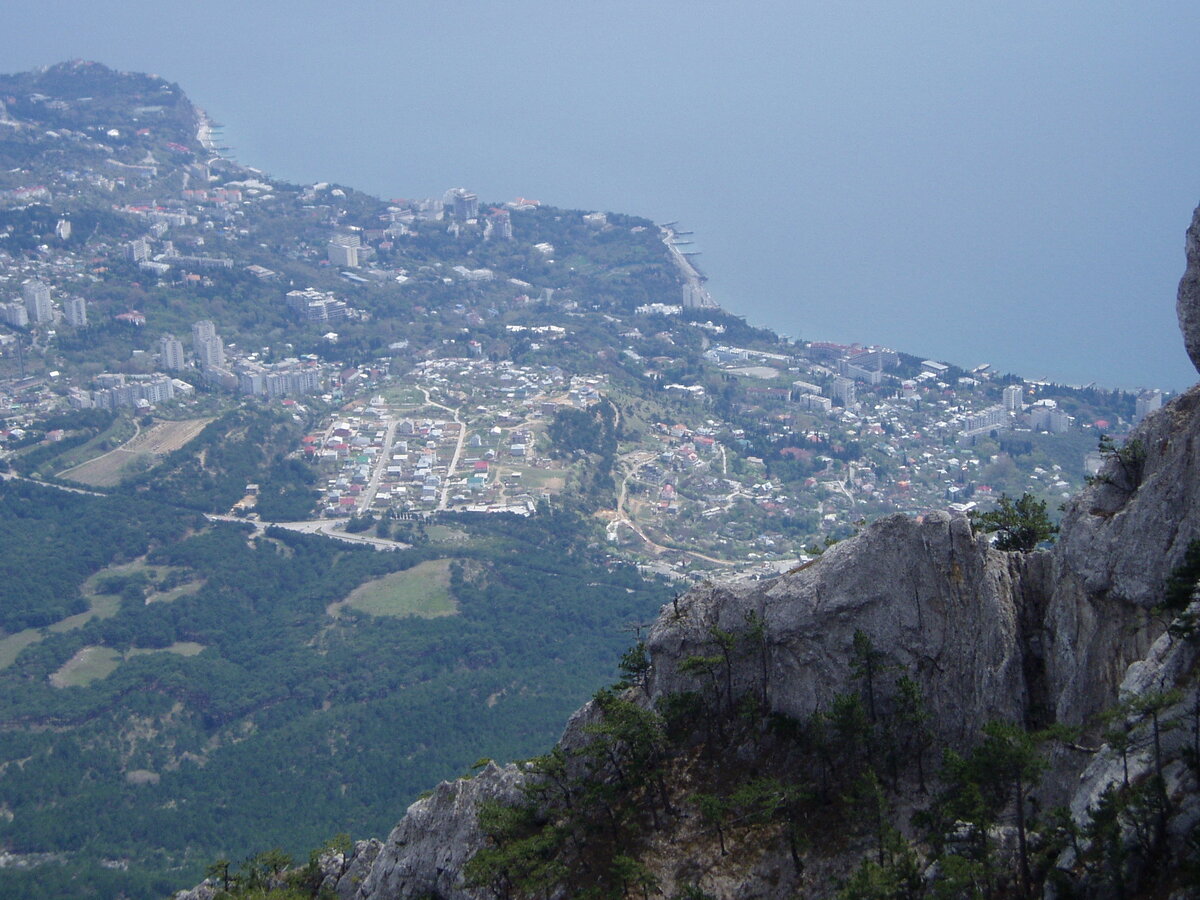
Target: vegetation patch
(52, 541)
(101, 606)
(244, 446)
(167, 595)
(164, 437)
(121, 428)
(133, 581)
(539, 605)
(70, 437)
(535, 479)
(88, 665)
(108, 469)
(137, 454)
(95, 663)
(100, 584)
(403, 395)
(423, 591)
(444, 534)
(11, 645)
(180, 648)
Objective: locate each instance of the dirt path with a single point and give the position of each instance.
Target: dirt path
(631, 462)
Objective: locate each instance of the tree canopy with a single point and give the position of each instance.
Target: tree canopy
(1018, 524)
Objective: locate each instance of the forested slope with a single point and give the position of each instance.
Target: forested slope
(213, 660)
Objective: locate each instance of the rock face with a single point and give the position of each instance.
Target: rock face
(343, 874)
(1124, 533)
(425, 853)
(1121, 537)
(1187, 307)
(930, 595)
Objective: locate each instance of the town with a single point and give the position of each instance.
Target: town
(427, 348)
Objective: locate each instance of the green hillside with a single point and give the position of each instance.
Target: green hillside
(255, 706)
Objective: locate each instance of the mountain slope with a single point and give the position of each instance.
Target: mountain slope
(780, 739)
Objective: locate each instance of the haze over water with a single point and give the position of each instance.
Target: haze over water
(1006, 185)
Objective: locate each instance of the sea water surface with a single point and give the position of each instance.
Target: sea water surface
(1006, 184)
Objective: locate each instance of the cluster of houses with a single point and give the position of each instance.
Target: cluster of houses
(381, 463)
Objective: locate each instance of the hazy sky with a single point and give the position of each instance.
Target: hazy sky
(1004, 183)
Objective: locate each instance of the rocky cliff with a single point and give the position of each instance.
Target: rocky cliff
(814, 675)
(1187, 306)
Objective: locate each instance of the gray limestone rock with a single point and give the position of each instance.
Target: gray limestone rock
(205, 890)
(425, 853)
(1121, 537)
(934, 598)
(353, 872)
(1187, 306)
(1163, 666)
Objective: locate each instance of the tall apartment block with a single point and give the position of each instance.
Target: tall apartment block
(75, 309)
(209, 348)
(343, 251)
(1147, 402)
(170, 351)
(37, 301)
(461, 204)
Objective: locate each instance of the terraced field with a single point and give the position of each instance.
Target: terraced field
(140, 451)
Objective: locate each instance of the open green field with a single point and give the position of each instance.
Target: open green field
(174, 593)
(101, 606)
(445, 534)
(182, 648)
(403, 395)
(88, 665)
(108, 470)
(423, 590)
(93, 663)
(156, 576)
(135, 455)
(11, 645)
(129, 568)
(121, 429)
(534, 479)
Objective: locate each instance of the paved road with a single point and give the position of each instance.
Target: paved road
(13, 476)
(381, 464)
(327, 527)
(444, 500)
